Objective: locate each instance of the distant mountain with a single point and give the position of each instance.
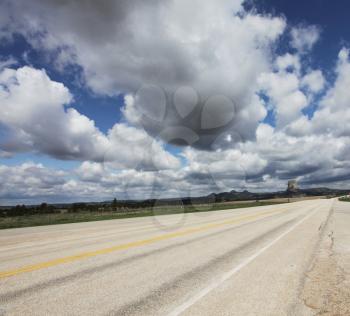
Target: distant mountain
(246, 195)
(211, 198)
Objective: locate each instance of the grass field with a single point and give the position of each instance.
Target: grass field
(52, 219)
(344, 199)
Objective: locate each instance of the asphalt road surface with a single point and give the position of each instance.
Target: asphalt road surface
(251, 261)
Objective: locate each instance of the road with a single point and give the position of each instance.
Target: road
(250, 261)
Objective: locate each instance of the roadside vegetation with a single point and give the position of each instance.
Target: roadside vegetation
(344, 199)
(22, 216)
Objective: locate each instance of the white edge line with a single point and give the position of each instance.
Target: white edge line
(180, 309)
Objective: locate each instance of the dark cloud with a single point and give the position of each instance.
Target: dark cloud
(215, 49)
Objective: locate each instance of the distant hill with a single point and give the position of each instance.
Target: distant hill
(246, 195)
(211, 198)
(239, 196)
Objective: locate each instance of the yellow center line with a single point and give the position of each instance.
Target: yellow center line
(129, 245)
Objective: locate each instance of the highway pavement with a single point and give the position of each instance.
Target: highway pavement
(251, 261)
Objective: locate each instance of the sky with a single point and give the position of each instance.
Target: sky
(136, 99)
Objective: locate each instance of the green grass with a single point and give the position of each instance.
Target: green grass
(53, 219)
(344, 199)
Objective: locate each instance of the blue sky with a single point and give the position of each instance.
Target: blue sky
(121, 84)
(331, 16)
(103, 109)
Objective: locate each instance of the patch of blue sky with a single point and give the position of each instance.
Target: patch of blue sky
(48, 162)
(104, 110)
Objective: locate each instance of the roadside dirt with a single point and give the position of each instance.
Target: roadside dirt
(327, 285)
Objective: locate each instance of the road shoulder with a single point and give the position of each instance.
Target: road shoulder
(327, 285)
